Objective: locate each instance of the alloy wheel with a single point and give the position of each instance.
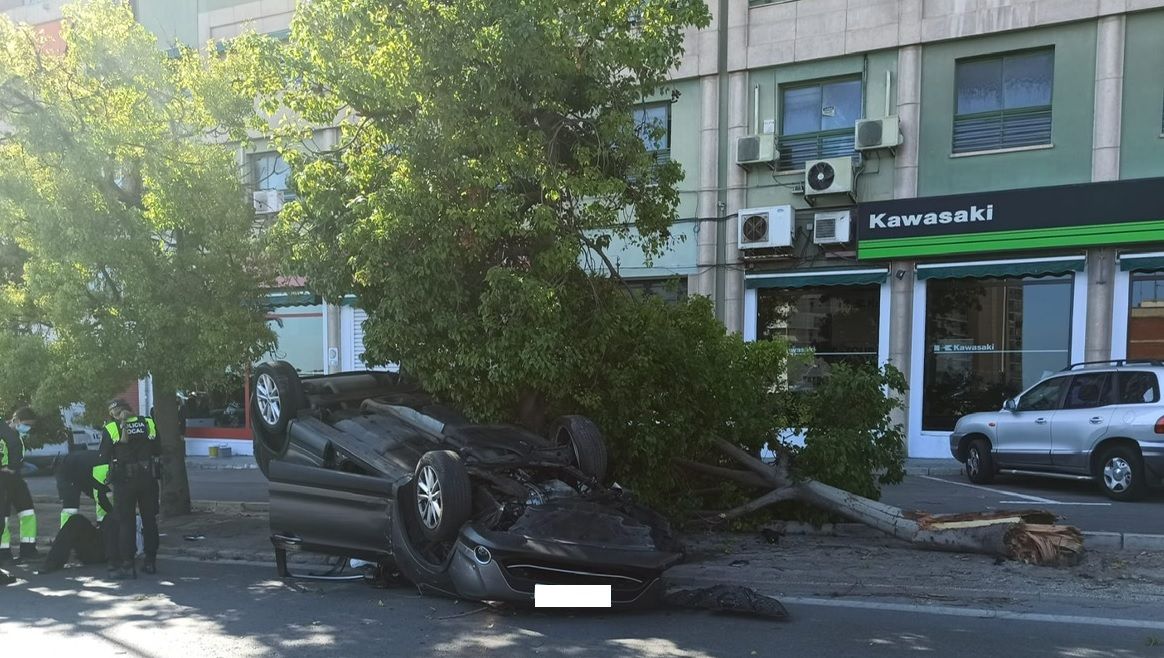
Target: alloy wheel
(267, 395)
(1117, 474)
(973, 462)
(428, 497)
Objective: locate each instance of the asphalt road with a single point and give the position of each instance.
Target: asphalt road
(1078, 503)
(235, 610)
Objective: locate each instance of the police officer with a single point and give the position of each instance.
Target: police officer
(17, 496)
(130, 446)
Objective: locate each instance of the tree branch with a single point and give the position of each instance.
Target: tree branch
(742, 477)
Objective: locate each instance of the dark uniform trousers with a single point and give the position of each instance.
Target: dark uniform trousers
(92, 545)
(135, 489)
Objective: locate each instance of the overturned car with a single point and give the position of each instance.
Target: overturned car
(365, 465)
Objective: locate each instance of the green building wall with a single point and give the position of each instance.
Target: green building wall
(1068, 160)
(1142, 127)
(767, 188)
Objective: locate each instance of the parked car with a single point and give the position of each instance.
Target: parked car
(366, 466)
(1091, 421)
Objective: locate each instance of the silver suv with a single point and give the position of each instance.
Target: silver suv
(1092, 421)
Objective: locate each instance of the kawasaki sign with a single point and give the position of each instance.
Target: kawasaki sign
(1118, 212)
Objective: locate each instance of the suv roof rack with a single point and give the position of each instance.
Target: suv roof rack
(1115, 362)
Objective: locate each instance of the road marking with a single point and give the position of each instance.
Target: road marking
(981, 613)
(1031, 499)
(1053, 502)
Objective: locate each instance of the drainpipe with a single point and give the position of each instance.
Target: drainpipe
(721, 175)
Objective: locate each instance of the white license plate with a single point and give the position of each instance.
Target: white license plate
(571, 596)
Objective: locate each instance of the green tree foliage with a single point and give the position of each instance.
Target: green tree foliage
(488, 156)
(128, 236)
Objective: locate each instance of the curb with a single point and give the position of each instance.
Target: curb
(1099, 541)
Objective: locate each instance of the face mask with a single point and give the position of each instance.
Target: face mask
(23, 428)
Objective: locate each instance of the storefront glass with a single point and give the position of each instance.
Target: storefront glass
(989, 339)
(833, 323)
(1146, 317)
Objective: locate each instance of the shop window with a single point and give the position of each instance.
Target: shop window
(816, 121)
(270, 172)
(653, 124)
(1146, 317)
(989, 339)
(826, 324)
(223, 406)
(1003, 102)
(299, 336)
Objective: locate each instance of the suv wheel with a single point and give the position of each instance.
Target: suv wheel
(1121, 473)
(979, 463)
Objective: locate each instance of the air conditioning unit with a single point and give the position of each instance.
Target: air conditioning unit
(883, 133)
(831, 176)
(267, 201)
(831, 227)
(756, 149)
(764, 228)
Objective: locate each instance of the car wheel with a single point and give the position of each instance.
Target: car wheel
(278, 397)
(1121, 473)
(979, 463)
(443, 495)
(586, 442)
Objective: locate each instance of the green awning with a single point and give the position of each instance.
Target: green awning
(1001, 270)
(292, 298)
(806, 278)
(1145, 263)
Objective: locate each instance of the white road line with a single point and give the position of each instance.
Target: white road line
(980, 613)
(1032, 499)
(1051, 502)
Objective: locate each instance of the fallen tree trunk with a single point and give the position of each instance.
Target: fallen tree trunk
(1030, 536)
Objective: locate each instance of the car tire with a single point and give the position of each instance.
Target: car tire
(278, 397)
(586, 442)
(979, 462)
(1120, 472)
(413, 565)
(442, 495)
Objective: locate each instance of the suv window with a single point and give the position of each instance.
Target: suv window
(1089, 391)
(1044, 396)
(1138, 388)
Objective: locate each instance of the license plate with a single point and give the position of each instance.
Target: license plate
(571, 596)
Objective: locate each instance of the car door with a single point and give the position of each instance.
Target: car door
(330, 511)
(1023, 437)
(1082, 421)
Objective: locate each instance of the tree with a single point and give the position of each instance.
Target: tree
(127, 218)
(489, 155)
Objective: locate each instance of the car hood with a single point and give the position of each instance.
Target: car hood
(976, 419)
(579, 530)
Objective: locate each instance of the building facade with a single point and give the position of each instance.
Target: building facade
(970, 190)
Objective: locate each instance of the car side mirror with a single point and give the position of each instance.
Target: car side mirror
(1010, 405)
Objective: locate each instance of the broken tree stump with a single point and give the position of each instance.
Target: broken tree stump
(1030, 536)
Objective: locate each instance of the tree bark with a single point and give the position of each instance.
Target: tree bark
(175, 485)
(1029, 536)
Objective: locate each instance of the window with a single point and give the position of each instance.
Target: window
(1146, 317)
(1138, 388)
(653, 123)
(988, 339)
(1044, 397)
(270, 172)
(834, 324)
(671, 291)
(1089, 391)
(1003, 102)
(817, 121)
